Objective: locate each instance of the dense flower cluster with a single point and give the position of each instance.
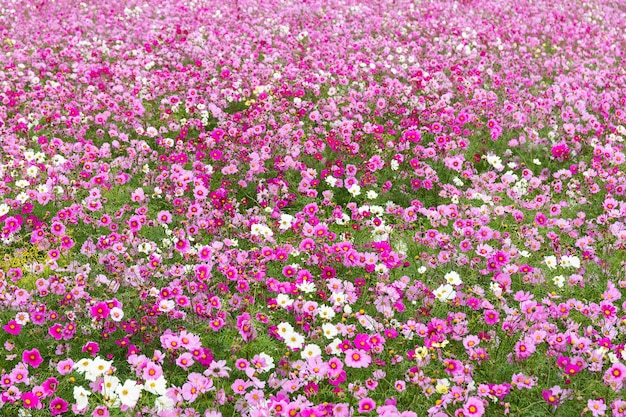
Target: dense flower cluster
(312, 208)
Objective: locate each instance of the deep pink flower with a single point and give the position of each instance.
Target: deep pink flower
(12, 327)
(32, 358)
(58, 406)
(31, 400)
(550, 397)
(92, 348)
(50, 386)
(562, 361)
(491, 317)
(361, 341)
(100, 311)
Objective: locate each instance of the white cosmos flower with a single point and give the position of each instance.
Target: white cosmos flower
(129, 393)
(311, 351)
(333, 347)
(284, 300)
(294, 340)
(97, 368)
(81, 396)
(284, 329)
(156, 386)
(109, 385)
(82, 365)
(453, 278)
(164, 403)
(559, 280)
(21, 183)
(22, 197)
(355, 190)
(32, 171)
(570, 261)
(306, 287)
(445, 292)
(550, 261)
(329, 330)
(325, 312)
(330, 180)
(338, 298)
(285, 221)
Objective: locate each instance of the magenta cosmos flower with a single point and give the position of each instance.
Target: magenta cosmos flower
(58, 406)
(12, 327)
(100, 311)
(32, 358)
(31, 400)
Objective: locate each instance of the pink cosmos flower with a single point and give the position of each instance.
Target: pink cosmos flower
(366, 405)
(67, 242)
(65, 366)
(56, 331)
(341, 410)
(615, 376)
(361, 341)
(134, 223)
(185, 360)
(474, 407)
(100, 411)
(152, 371)
(618, 408)
(240, 386)
(357, 358)
(597, 407)
(552, 396)
(471, 341)
(190, 392)
(57, 229)
(524, 348)
(182, 245)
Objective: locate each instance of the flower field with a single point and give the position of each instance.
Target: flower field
(312, 208)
